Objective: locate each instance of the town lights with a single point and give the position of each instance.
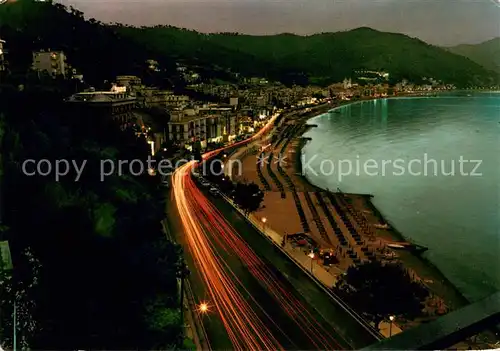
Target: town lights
(152, 144)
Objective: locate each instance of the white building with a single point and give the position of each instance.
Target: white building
(52, 62)
(347, 83)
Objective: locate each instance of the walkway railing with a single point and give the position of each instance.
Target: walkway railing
(257, 225)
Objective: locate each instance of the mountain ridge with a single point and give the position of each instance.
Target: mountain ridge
(332, 56)
(321, 58)
(486, 53)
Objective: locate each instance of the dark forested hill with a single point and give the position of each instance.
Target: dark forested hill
(100, 50)
(94, 49)
(486, 54)
(322, 57)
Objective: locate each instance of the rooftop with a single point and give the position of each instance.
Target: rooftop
(100, 96)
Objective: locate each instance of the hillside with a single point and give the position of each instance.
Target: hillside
(486, 54)
(103, 51)
(322, 57)
(94, 49)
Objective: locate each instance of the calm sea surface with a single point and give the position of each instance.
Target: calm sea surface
(407, 153)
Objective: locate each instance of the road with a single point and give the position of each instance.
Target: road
(257, 307)
(248, 297)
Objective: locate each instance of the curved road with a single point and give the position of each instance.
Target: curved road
(254, 303)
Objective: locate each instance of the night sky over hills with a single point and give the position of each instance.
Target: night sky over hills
(440, 22)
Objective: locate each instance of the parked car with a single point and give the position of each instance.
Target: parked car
(205, 184)
(214, 192)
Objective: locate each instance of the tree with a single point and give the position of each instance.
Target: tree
(381, 290)
(248, 197)
(96, 250)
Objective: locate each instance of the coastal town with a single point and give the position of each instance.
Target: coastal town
(187, 121)
(326, 262)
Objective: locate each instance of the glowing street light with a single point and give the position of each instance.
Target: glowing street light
(391, 318)
(264, 220)
(203, 308)
(311, 255)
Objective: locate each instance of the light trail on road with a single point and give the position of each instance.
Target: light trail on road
(203, 226)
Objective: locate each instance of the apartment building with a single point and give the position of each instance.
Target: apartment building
(205, 125)
(52, 62)
(118, 105)
(153, 97)
(128, 81)
(186, 127)
(221, 124)
(176, 100)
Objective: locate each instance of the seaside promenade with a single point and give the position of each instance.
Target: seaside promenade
(345, 226)
(280, 212)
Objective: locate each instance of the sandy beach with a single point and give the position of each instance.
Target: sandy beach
(345, 225)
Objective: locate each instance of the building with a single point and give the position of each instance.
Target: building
(118, 89)
(233, 101)
(347, 83)
(205, 125)
(2, 56)
(52, 62)
(128, 81)
(185, 130)
(176, 100)
(118, 105)
(153, 97)
(221, 125)
(153, 65)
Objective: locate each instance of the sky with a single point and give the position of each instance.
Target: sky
(439, 22)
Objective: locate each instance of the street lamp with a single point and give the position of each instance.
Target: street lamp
(311, 254)
(391, 318)
(264, 220)
(203, 308)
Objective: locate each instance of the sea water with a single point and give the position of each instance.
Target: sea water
(433, 164)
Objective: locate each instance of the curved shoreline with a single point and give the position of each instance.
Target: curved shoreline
(447, 290)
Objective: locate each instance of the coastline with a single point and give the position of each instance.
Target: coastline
(435, 280)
